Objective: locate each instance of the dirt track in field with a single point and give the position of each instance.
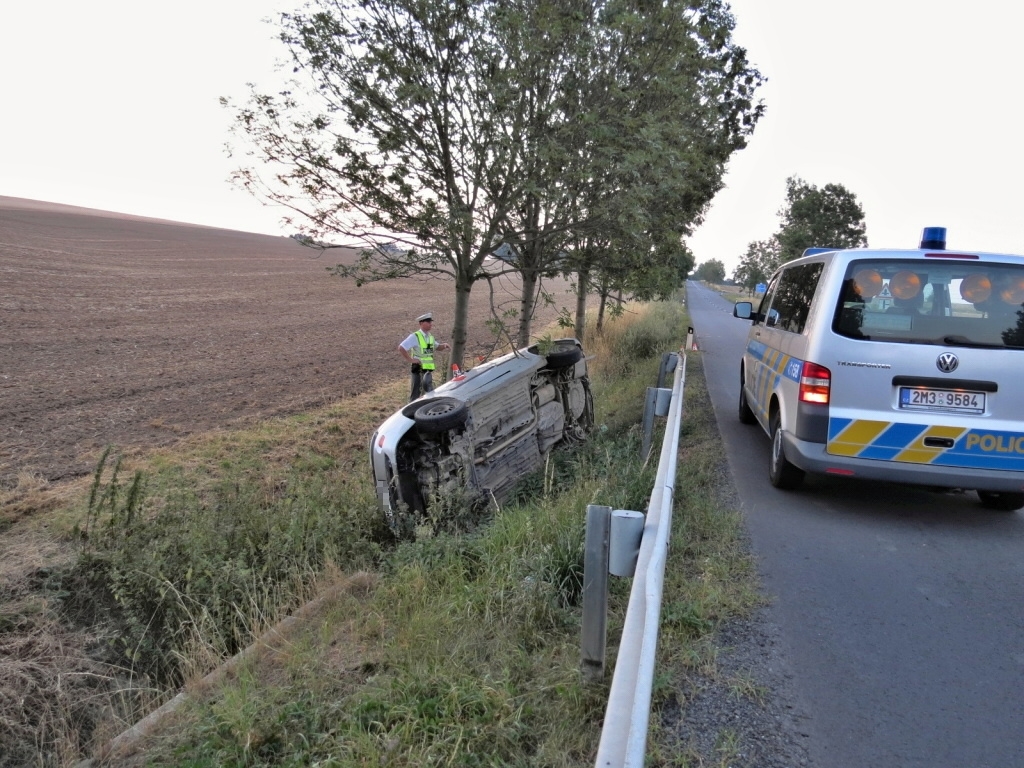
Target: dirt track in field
(118, 330)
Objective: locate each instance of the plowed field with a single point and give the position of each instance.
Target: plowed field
(132, 332)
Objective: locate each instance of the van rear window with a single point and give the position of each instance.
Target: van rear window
(913, 301)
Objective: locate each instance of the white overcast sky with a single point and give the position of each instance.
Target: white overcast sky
(914, 106)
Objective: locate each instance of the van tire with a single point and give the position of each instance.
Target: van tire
(1001, 501)
(441, 414)
(746, 415)
(783, 475)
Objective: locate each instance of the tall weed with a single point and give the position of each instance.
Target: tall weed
(210, 568)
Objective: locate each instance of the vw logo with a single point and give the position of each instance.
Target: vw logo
(947, 362)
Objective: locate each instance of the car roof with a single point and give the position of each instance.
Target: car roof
(812, 255)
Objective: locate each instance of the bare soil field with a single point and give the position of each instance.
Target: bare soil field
(132, 332)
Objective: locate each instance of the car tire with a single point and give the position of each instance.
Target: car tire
(563, 358)
(1001, 501)
(441, 414)
(746, 414)
(782, 473)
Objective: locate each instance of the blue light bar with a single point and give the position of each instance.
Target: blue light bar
(933, 239)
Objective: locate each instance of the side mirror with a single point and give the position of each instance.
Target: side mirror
(743, 310)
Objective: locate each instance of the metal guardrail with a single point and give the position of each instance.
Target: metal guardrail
(624, 736)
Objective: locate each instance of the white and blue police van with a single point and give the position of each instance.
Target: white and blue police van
(898, 365)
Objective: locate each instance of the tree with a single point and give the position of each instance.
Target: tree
(829, 217)
(711, 271)
(758, 263)
(405, 133)
(665, 99)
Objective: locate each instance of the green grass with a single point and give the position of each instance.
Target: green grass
(458, 649)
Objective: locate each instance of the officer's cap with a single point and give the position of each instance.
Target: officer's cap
(423, 318)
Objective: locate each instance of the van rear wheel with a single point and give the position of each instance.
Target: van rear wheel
(1002, 502)
(783, 474)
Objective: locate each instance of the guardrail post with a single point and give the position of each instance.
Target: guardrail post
(650, 403)
(657, 403)
(595, 591)
(668, 365)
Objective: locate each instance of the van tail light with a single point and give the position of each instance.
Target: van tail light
(815, 384)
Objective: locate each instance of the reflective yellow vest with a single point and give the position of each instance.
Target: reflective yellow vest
(425, 353)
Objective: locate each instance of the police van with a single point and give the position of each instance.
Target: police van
(896, 365)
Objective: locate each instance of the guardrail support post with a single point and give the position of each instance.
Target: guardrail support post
(657, 403)
(595, 591)
(668, 365)
(650, 403)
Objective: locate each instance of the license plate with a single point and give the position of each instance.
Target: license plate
(942, 400)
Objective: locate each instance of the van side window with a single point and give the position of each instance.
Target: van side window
(792, 300)
(766, 302)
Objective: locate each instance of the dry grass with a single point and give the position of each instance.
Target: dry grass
(32, 494)
(56, 694)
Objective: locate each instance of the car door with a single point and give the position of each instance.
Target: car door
(777, 345)
(756, 366)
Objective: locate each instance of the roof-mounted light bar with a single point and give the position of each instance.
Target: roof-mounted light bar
(933, 239)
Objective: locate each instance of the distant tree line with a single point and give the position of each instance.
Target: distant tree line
(581, 137)
(711, 271)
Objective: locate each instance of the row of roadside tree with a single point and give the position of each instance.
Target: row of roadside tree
(582, 137)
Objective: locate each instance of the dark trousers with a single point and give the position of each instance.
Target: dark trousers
(422, 382)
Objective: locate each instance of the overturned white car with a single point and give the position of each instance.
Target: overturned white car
(480, 433)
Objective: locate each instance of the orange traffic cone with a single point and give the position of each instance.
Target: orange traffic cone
(457, 375)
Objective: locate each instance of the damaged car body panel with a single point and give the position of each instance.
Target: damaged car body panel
(480, 433)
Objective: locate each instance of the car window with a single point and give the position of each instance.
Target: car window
(790, 297)
(970, 303)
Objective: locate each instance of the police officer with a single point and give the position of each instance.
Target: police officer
(418, 348)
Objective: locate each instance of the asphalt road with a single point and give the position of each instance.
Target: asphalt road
(901, 610)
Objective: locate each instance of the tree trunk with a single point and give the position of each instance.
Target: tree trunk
(460, 326)
(526, 304)
(582, 286)
(600, 309)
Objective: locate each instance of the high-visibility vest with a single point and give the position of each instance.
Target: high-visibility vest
(425, 353)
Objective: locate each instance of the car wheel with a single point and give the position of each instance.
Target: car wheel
(441, 414)
(563, 358)
(783, 474)
(1003, 502)
(746, 415)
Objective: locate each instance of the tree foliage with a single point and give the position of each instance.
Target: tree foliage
(758, 263)
(829, 217)
(585, 136)
(711, 271)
